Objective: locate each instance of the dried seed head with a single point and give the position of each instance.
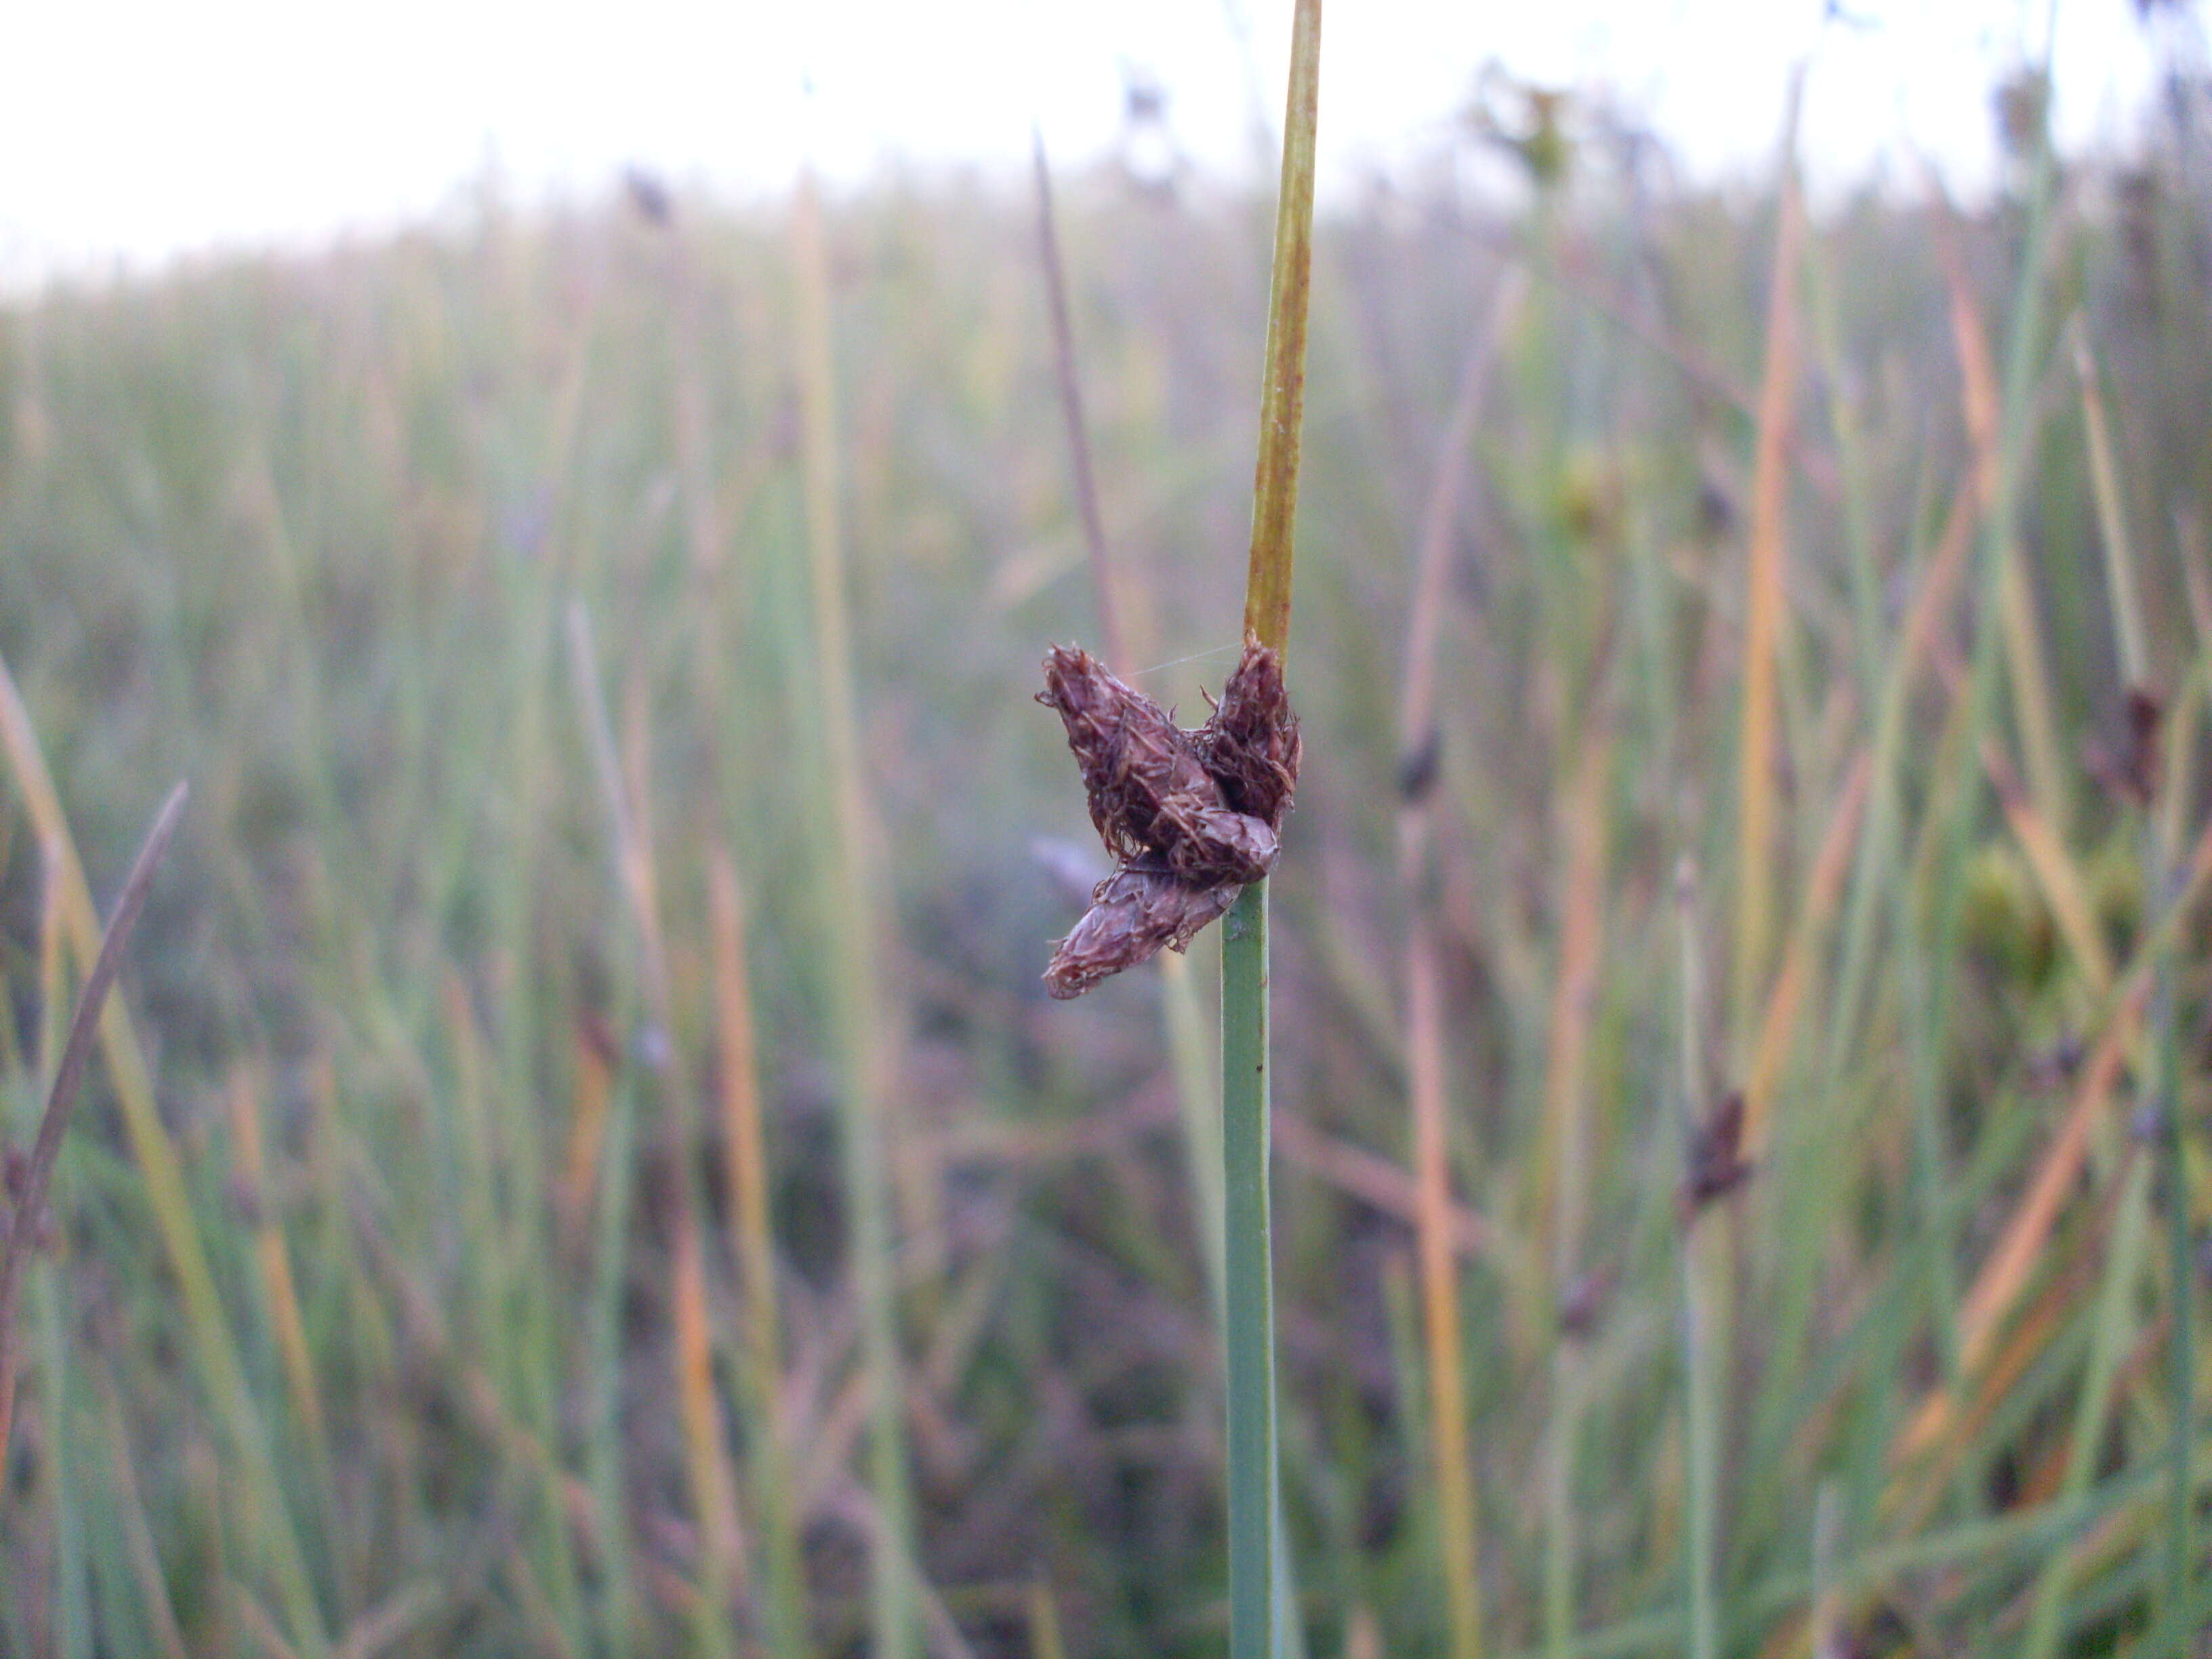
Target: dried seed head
(2125, 761)
(1189, 816)
(1138, 766)
(1716, 1163)
(1150, 796)
(1134, 912)
(1251, 745)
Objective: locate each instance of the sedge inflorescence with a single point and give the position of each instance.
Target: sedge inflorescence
(1189, 816)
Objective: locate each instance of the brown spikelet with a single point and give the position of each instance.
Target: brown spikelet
(1189, 816)
(1150, 794)
(1251, 745)
(1133, 913)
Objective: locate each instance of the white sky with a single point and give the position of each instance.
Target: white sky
(131, 131)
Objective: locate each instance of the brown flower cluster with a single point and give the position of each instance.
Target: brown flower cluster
(1189, 816)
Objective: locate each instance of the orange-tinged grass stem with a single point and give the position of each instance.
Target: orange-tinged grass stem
(1822, 889)
(592, 1093)
(707, 1453)
(745, 1163)
(276, 1258)
(1574, 987)
(2010, 1264)
(1283, 390)
(1766, 578)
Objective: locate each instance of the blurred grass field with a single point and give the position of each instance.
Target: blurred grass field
(454, 1254)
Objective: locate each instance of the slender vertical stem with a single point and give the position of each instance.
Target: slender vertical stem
(2159, 851)
(852, 916)
(1698, 1359)
(1252, 1456)
(1252, 1529)
(1766, 578)
(782, 1594)
(1283, 389)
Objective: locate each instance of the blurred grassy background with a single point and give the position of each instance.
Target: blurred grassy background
(492, 997)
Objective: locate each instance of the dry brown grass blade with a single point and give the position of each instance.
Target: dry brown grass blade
(714, 1486)
(2009, 1265)
(1439, 1281)
(1825, 885)
(1440, 515)
(1950, 1437)
(61, 1097)
(1765, 579)
(1939, 588)
(593, 1092)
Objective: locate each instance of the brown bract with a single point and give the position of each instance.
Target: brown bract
(1251, 745)
(1134, 912)
(1189, 816)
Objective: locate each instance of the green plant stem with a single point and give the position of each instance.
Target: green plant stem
(1256, 1536)
(1702, 1405)
(1251, 1330)
(852, 920)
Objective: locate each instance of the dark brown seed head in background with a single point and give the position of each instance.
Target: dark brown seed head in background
(1716, 1163)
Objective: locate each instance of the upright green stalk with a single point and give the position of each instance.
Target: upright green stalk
(1244, 1139)
(1251, 1334)
(1698, 1360)
(2160, 848)
(853, 917)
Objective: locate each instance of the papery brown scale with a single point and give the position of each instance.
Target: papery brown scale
(1251, 746)
(1133, 913)
(1190, 816)
(1138, 766)
(1150, 795)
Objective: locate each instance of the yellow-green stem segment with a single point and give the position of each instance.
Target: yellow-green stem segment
(1283, 389)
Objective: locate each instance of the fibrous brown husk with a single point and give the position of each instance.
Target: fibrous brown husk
(1190, 816)
(1251, 746)
(1134, 912)
(1150, 795)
